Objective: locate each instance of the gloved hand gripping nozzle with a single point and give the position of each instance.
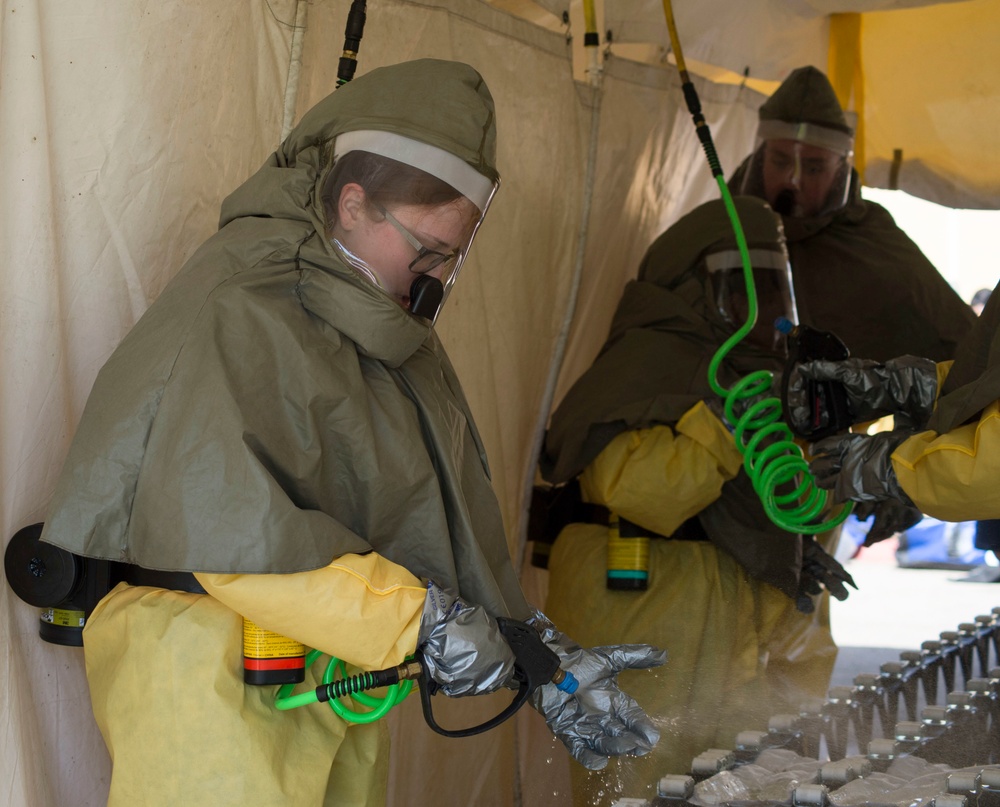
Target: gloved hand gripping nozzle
(463, 651)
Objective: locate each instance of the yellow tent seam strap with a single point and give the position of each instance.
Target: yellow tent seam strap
(845, 70)
(897, 163)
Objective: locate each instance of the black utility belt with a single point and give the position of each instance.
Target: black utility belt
(155, 578)
(690, 530)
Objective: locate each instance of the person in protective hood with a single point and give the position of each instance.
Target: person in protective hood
(642, 432)
(856, 273)
(281, 442)
(943, 457)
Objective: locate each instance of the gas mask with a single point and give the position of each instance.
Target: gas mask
(428, 205)
(772, 277)
(802, 170)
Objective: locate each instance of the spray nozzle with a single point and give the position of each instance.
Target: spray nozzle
(784, 325)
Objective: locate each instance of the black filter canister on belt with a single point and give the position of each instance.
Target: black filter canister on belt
(41, 574)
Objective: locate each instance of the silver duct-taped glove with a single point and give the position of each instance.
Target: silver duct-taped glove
(597, 720)
(463, 649)
(891, 516)
(820, 570)
(858, 467)
(904, 386)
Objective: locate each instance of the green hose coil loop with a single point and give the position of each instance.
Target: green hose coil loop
(352, 686)
(771, 457)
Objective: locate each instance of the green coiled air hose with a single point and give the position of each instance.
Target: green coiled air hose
(771, 457)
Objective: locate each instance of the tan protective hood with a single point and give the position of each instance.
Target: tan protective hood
(806, 96)
(272, 411)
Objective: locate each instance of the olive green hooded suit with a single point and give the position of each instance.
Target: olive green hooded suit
(856, 273)
(271, 412)
(723, 607)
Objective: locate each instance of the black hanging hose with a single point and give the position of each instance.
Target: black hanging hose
(352, 42)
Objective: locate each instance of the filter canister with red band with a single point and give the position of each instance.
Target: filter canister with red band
(270, 658)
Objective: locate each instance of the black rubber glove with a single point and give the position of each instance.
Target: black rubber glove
(891, 517)
(906, 386)
(820, 570)
(858, 467)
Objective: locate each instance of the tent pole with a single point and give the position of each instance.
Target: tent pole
(559, 351)
(294, 69)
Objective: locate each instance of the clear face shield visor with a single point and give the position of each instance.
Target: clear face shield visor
(802, 170)
(772, 277)
(428, 204)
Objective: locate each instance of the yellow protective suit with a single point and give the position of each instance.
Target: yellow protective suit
(738, 650)
(950, 471)
(953, 476)
(176, 658)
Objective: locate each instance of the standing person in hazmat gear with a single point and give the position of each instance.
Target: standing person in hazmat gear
(283, 430)
(856, 272)
(641, 431)
(942, 458)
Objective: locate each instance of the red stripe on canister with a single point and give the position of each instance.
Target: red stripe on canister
(274, 663)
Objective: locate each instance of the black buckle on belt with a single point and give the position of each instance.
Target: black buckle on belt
(156, 578)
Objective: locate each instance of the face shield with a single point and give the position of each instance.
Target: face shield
(772, 277)
(802, 170)
(404, 214)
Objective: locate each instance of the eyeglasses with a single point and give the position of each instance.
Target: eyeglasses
(427, 259)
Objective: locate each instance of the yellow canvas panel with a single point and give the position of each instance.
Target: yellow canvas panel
(932, 102)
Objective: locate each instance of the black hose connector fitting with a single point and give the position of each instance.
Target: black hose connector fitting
(353, 33)
(692, 100)
(357, 683)
(701, 127)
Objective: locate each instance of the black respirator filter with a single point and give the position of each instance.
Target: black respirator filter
(426, 294)
(65, 587)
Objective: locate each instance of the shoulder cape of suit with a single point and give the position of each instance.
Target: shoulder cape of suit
(272, 410)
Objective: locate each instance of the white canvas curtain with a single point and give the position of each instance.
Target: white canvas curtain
(123, 126)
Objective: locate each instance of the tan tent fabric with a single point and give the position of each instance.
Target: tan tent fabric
(86, 242)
